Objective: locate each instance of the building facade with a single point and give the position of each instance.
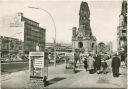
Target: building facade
(28, 31)
(10, 47)
(82, 38)
(122, 28)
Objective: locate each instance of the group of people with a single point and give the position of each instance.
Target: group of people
(100, 63)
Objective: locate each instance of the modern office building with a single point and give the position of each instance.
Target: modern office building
(28, 31)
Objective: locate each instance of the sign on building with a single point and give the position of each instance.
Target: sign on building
(16, 22)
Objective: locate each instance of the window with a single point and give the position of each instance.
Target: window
(123, 31)
(80, 44)
(92, 46)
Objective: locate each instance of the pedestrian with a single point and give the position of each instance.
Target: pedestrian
(49, 57)
(67, 62)
(109, 61)
(98, 63)
(95, 66)
(76, 58)
(115, 65)
(90, 64)
(104, 66)
(85, 62)
(104, 63)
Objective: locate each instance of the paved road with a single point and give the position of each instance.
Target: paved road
(7, 68)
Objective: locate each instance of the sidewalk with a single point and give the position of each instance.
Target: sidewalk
(59, 79)
(21, 79)
(86, 80)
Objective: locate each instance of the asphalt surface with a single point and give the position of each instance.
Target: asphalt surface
(8, 68)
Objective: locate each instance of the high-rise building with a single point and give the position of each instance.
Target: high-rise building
(83, 39)
(28, 31)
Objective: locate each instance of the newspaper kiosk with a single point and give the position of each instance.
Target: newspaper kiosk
(38, 66)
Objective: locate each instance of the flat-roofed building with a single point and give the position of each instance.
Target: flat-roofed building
(28, 31)
(59, 47)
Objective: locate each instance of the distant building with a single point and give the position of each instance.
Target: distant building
(109, 48)
(59, 47)
(24, 29)
(82, 38)
(122, 28)
(10, 46)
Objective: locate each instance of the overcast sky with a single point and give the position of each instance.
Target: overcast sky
(104, 17)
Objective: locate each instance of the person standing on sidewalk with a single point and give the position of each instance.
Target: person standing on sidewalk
(91, 64)
(76, 57)
(104, 66)
(95, 62)
(85, 59)
(109, 61)
(115, 65)
(98, 63)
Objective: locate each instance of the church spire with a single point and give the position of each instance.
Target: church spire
(84, 19)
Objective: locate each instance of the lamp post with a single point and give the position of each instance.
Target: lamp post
(54, 28)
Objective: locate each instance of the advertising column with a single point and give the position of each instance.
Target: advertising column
(38, 66)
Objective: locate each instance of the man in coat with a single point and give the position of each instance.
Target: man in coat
(115, 65)
(98, 63)
(76, 56)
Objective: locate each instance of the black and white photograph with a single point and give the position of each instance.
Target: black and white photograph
(63, 44)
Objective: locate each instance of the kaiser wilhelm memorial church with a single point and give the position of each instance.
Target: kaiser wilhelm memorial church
(82, 37)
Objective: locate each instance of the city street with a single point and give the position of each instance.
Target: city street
(63, 44)
(58, 78)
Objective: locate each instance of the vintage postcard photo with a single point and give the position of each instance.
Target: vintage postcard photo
(63, 44)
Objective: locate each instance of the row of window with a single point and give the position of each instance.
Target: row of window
(31, 32)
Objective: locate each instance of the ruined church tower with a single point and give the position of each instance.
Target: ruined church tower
(83, 39)
(84, 19)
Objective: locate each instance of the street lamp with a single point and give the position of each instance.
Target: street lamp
(54, 28)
